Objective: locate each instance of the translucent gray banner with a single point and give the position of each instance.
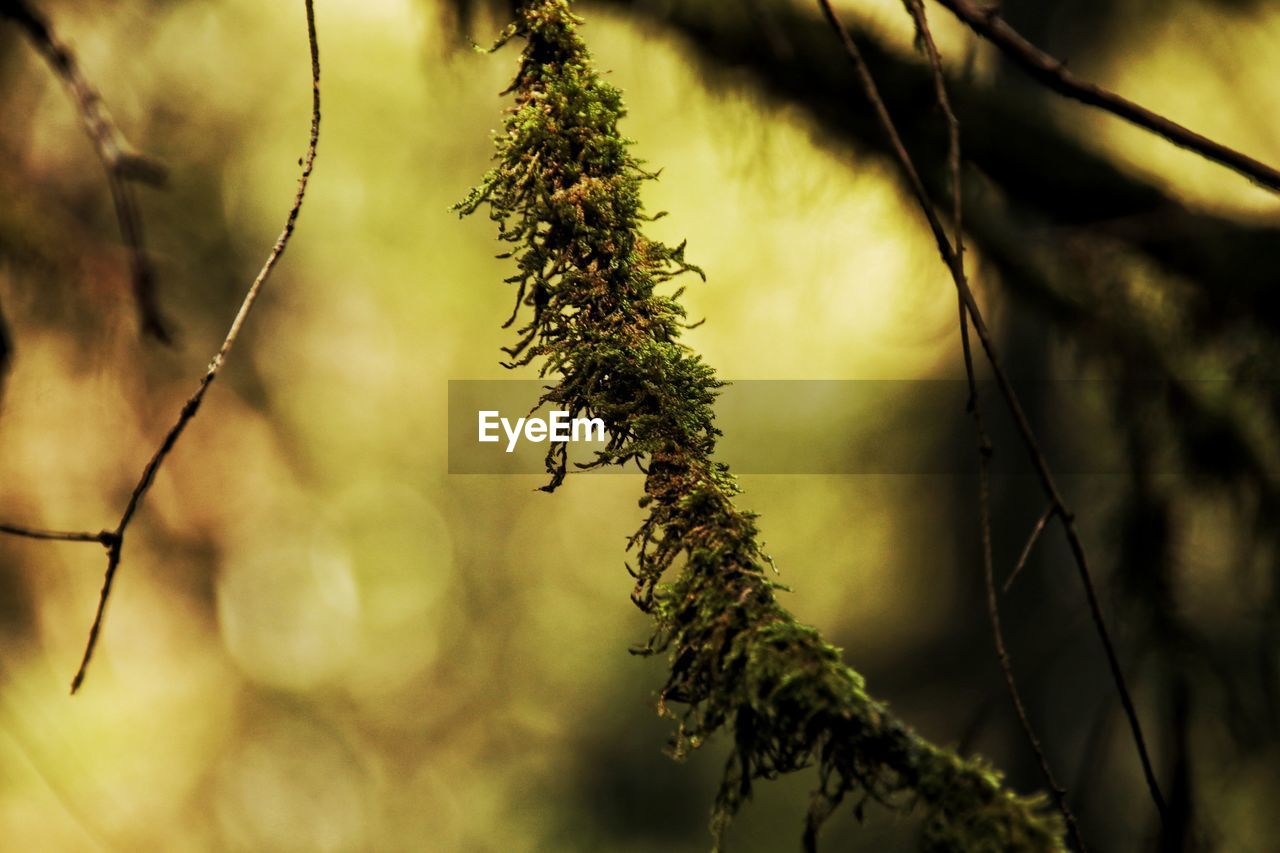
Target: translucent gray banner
(822, 427)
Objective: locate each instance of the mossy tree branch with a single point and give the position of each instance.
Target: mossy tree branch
(566, 195)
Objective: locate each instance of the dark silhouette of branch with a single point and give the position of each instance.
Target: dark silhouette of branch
(1007, 143)
(113, 540)
(1043, 471)
(988, 24)
(122, 165)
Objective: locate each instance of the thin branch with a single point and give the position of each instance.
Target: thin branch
(1041, 669)
(104, 537)
(925, 35)
(1053, 73)
(113, 540)
(1036, 530)
(993, 606)
(1006, 664)
(1082, 190)
(1029, 439)
(192, 405)
(123, 166)
(917, 12)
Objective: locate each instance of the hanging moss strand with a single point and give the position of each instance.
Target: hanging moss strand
(565, 194)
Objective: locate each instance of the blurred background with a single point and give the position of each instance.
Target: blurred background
(320, 640)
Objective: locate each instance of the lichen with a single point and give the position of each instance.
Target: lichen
(565, 193)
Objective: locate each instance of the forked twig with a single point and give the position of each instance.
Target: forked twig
(916, 9)
(121, 163)
(1053, 73)
(993, 605)
(113, 540)
(1043, 471)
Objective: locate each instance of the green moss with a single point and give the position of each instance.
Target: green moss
(565, 193)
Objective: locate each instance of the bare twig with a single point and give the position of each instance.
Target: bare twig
(993, 606)
(1006, 665)
(192, 405)
(122, 164)
(113, 540)
(1036, 530)
(103, 538)
(916, 9)
(925, 35)
(1053, 73)
(1043, 471)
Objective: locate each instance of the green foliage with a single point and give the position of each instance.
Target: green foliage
(566, 194)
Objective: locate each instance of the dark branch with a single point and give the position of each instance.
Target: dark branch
(1007, 143)
(925, 37)
(1053, 73)
(192, 405)
(113, 540)
(1041, 464)
(105, 537)
(123, 166)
